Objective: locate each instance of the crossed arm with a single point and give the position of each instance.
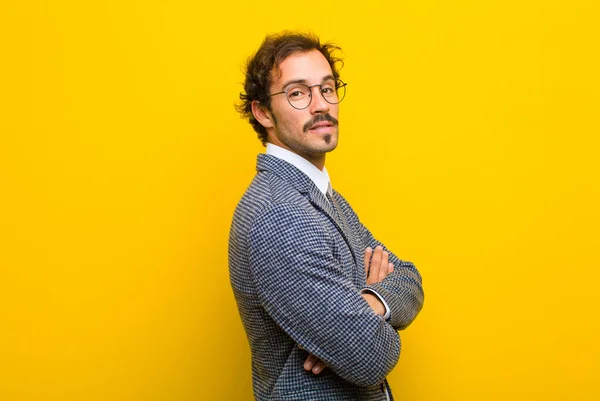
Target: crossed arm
(303, 288)
(376, 269)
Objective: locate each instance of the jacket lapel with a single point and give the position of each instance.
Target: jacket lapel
(305, 186)
(321, 202)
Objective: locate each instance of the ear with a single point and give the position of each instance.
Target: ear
(262, 114)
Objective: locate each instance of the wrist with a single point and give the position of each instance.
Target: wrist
(374, 303)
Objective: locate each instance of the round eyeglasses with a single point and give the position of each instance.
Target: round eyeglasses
(300, 95)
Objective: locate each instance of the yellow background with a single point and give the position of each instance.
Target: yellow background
(469, 145)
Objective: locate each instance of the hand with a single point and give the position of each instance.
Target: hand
(313, 363)
(377, 267)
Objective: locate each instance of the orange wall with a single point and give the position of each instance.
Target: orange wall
(121, 160)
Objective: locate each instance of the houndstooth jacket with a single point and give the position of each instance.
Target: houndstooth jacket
(296, 269)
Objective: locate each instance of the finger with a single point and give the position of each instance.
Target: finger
(318, 368)
(390, 268)
(310, 362)
(368, 253)
(383, 269)
(375, 264)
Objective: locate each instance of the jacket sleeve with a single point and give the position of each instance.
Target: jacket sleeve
(402, 290)
(302, 287)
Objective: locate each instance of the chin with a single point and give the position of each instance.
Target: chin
(323, 144)
(326, 147)
(330, 142)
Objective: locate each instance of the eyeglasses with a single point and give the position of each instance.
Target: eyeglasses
(300, 95)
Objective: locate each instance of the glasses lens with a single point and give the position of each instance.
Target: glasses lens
(334, 91)
(299, 96)
(329, 91)
(340, 90)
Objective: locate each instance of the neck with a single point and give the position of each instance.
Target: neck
(316, 159)
(318, 162)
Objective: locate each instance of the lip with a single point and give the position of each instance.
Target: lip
(320, 125)
(322, 129)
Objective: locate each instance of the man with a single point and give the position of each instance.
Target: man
(319, 297)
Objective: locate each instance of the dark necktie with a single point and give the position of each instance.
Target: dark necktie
(332, 201)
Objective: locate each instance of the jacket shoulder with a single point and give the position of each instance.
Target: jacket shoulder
(266, 192)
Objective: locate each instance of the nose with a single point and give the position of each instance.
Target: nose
(318, 103)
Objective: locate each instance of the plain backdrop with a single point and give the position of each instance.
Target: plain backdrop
(468, 144)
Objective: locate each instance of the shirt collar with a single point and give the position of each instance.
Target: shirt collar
(320, 178)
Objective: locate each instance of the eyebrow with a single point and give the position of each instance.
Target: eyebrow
(304, 81)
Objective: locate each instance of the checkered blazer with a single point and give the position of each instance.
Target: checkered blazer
(296, 269)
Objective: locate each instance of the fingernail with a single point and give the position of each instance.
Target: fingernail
(308, 365)
(369, 249)
(316, 369)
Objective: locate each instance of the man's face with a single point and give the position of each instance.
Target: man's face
(310, 132)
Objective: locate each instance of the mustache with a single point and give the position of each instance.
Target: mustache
(320, 118)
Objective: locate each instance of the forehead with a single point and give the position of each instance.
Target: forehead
(310, 66)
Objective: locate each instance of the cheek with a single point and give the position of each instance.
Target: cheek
(296, 122)
(334, 110)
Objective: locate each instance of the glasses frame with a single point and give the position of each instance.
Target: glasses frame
(310, 91)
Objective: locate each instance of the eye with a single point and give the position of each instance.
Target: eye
(297, 92)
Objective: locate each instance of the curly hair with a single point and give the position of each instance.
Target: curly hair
(272, 52)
